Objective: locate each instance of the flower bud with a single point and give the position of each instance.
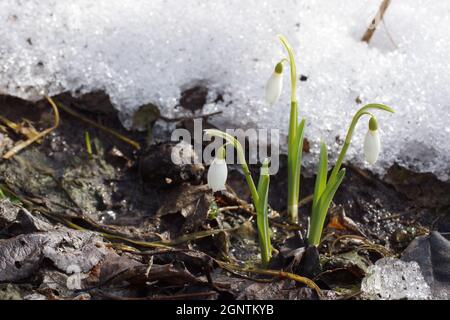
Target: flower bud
(218, 171)
(274, 85)
(372, 142)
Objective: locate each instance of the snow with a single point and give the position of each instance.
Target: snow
(149, 51)
(394, 279)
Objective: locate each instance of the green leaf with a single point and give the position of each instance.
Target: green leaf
(318, 216)
(321, 177)
(330, 191)
(262, 214)
(298, 156)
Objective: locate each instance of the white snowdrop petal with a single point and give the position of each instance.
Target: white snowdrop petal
(217, 175)
(372, 146)
(273, 88)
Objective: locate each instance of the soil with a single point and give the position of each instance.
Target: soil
(123, 223)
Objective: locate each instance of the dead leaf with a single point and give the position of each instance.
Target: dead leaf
(340, 221)
(22, 255)
(277, 290)
(432, 253)
(15, 220)
(423, 188)
(182, 199)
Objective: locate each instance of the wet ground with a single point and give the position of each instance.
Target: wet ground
(120, 222)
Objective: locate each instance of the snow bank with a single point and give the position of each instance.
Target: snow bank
(148, 51)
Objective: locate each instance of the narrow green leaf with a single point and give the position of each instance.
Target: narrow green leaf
(298, 155)
(321, 177)
(330, 191)
(318, 217)
(262, 217)
(87, 139)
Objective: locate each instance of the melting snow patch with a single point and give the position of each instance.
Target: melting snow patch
(149, 51)
(394, 279)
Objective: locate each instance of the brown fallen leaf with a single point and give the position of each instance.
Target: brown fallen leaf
(340, 221)
(182, 199)
(22, 255)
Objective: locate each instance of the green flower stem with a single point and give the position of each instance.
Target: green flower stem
(248, 176)
(325, 190)
(292, 197)
(348, 138)
(294, 155)
(293, 67)
(260, 196)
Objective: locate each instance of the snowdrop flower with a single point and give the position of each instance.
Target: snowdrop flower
(372, 142)
(274, 85)
(218, 171)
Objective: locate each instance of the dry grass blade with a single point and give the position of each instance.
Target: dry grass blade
(376, 21)
(22, 145)
(164, 244)
(366, 245)
(20, 128)
(340, 238)
(183, 296)
(275, 273)
(119, 136)
(242, 205)
(305, 200)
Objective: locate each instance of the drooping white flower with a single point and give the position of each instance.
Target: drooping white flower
(274, 85)
(372, 143)
(218, 172)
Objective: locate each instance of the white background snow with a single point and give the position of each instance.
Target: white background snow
(147, 51)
